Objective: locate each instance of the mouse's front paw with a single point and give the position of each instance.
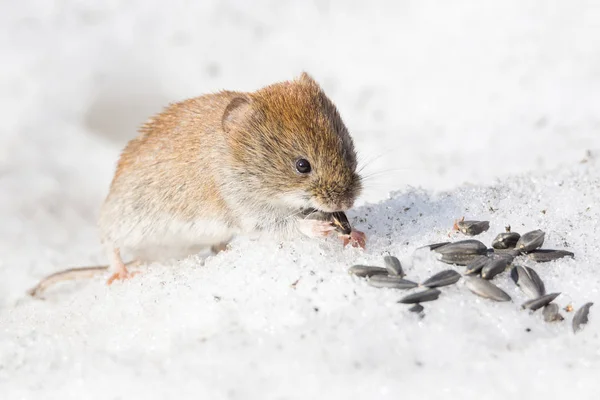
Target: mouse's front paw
(355, 239)
(315, 228)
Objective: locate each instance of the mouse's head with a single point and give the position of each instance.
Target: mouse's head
(288, 143)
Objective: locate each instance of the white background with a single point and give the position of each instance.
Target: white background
(454, 106)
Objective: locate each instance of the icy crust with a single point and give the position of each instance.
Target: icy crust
(285, 320)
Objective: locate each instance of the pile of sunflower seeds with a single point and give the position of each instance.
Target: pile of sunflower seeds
(481, 264)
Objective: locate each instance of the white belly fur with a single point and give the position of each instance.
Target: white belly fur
(173, 237)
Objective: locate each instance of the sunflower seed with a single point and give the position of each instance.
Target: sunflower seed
(392, 282)
(494, 267)
(530, 241)
(527, 283)
(506, 240)
(341, 223)
(551, 313)
(338, 219)
(461, 252)
(393, 265)
(486, 289)
(472, 228)
(540, 302)
(421, 297)
(581, 317)
(538, 281)
(444, 278)
(548, 255)
(434, 246)
(475, 266)
(417, 308)
(364, 271)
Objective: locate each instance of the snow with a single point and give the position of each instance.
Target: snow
(489, 110)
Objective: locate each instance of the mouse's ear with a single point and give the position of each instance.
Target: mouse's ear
(306, 79)
(235, 113)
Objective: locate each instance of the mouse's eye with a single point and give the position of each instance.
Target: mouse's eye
(303, 166)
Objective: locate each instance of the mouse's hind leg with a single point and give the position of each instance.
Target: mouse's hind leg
(117, 267)
(219, 247)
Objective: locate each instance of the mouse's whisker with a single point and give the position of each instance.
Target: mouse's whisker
(368, 161)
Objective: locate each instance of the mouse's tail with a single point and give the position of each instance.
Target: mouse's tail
(70, 275)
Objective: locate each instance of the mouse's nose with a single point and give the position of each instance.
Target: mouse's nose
(345, 204)
(342, 205)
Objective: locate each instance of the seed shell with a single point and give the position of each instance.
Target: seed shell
(472, 228)
(421, 297)
(540, 302)
(581, 317)
(526, 282)
(462, 252)
(393, 266)
(434, 246)
(364, 271)
(530, 241)
(477, 265)
(548, 255)
(486, 289)
(444, 278)
(341, 223)
(494, 267)
(392, 282)
(417, 308)
(506, 240)
(551, 313)
(538, 281)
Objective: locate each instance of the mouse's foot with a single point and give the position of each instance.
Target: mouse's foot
(315, 228)
(117, 265)
(121, 276)
(217, 248)
(355, 239)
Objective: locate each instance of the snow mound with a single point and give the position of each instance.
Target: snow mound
(285, 320)
(435, 94)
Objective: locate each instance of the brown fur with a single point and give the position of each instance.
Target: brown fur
(230, 157)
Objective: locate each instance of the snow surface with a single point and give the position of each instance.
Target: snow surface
(484, 109)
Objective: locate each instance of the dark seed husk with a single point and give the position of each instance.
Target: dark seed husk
(540, 302)
(417, 308)
(364, 271)
(527, 283)
(473, 228)
(581, 317)
(462, 252)
(469, 246)
(538, 281)
(475, 266)
(444, 278)
(392, 282)
(457, 259)
(548, 255)
(486, 289)
(434, 246)
(393, 265)
(341, 223)
(506, 240)
(494, 267)
(530, 241)
(421, 297)
(551, 313)
(338, 219)
(509, 256)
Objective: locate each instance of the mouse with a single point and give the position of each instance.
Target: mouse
(221, 165)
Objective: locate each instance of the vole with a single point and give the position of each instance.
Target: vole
(225, 164)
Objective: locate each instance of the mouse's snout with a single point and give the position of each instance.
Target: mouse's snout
(337, 206)
(336, 196)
